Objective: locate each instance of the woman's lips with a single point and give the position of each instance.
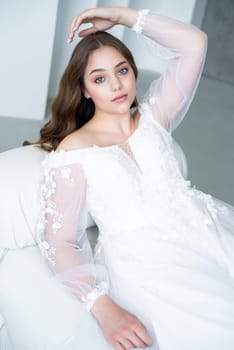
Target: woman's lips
(120, 98)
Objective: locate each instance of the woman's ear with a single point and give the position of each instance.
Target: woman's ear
(85, 93)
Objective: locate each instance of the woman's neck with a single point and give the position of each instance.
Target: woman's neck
(120, 124)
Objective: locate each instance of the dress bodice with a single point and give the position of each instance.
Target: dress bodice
(123, 181)
(138, 186)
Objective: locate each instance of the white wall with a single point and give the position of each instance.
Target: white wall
(26, 42)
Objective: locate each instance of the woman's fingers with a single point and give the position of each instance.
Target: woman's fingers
(87, 31)
(135, 336)
(75, 24)
(127, 344)
(143, 335)
(118, 346)
(71, 32)
(138, 342)
(100, 18)
(84, 17)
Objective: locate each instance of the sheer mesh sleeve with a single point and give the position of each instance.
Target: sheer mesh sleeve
(171, 94)
(62, 234)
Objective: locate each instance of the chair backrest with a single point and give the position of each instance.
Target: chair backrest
(20, 176)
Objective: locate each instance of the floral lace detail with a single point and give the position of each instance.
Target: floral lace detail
(47, 189)
(91, 297)
(138, 26)
(48, 207)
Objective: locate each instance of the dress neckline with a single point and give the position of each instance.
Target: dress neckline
(94, 145)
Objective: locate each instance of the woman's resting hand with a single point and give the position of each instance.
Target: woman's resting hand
(122, 329)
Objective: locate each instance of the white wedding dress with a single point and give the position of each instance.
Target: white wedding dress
(165, 249)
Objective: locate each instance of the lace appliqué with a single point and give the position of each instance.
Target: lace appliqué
(48, 207)
(138, 26)
(91, 297)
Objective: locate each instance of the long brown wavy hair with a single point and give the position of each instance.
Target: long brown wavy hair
(70, 109)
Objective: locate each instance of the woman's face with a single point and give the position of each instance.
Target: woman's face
(109, 81)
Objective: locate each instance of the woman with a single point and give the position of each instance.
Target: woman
(162, 274)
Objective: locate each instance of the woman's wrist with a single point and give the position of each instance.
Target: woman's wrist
(140, 21)
(128, 16)
(100, 290)
(100, 304)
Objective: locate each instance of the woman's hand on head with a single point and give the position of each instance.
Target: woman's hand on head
(122, 329)
(101, 18)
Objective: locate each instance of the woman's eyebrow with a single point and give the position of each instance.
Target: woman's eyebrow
(102, 69)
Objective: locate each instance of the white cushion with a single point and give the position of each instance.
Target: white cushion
(20, 174)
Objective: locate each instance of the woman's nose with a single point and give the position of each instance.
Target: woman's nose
(115, 83)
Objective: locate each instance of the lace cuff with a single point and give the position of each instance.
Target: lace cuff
(138, 26)
(91, 297)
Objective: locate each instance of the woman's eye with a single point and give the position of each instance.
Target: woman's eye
(99, 80)
(123, 71)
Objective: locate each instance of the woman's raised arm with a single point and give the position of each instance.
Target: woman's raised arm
(170, 95)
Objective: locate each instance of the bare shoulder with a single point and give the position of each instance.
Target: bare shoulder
(76, 140)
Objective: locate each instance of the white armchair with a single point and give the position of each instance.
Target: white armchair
(22, 268)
